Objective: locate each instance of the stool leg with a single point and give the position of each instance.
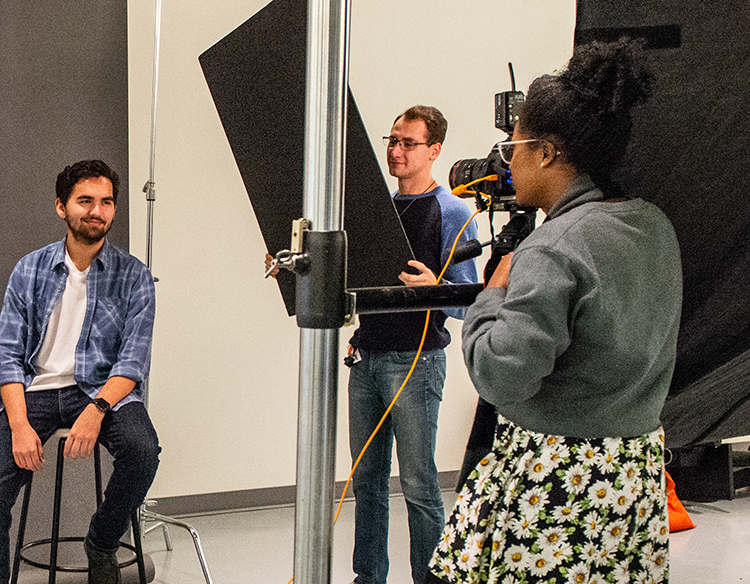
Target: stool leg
(138, 544)
(56, 512)
(98, 474)
(21, 531)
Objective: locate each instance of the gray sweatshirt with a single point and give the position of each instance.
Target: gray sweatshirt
(583, 342)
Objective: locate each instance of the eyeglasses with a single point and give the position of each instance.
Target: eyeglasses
(406, 144)
(507, 148)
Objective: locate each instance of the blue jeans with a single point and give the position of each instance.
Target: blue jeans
(373, 382)
(127, 434)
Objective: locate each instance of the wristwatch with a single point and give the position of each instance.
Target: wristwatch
(101, 404)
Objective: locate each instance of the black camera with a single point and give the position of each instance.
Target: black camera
(490, 178)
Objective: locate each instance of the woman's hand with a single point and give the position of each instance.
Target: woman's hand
(499, 277)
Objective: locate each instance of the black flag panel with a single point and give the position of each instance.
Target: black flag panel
(256, 75)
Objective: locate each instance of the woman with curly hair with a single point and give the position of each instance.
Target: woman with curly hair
(573, 341)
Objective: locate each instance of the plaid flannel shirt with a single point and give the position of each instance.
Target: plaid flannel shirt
(117, 329)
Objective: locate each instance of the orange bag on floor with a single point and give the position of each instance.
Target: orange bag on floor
(679, 520)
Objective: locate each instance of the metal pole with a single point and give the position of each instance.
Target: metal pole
(325, 118)
(150, 187)
(316, 448)
(150, 190)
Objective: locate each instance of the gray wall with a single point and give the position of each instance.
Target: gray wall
(63, 98)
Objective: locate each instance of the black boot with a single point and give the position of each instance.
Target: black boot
(103, 568)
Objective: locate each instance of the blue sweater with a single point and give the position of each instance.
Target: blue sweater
(583, 342)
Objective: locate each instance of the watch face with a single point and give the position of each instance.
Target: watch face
(102, 404)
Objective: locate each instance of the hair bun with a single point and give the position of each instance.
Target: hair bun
(612, 76)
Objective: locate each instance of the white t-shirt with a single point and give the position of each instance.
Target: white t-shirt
(55, 361)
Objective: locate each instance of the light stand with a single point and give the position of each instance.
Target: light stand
(323, 196)
(150, 190)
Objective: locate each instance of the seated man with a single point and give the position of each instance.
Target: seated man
(75, 346)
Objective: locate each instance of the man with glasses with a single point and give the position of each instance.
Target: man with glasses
(383, 350)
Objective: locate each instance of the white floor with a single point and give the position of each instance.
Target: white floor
(257, 546)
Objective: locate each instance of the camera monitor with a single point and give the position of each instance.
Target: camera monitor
(256, 76)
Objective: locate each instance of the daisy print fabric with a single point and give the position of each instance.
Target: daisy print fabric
(560, 510)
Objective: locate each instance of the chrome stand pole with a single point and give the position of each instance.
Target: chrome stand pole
(316, 449)
(150, 190)
(325, 119)
(164, 520)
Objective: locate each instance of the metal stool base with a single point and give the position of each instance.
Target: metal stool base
(53, 542)
(60, 568)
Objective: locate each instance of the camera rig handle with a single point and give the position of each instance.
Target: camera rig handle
(521, 224)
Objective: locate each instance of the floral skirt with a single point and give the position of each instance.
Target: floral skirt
(561, 510)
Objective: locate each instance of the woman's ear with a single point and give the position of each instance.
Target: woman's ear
(550, 153)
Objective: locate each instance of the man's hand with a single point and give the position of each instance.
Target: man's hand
(85, 430)
(27, 448)
(499, 277)
(424, 278)
(269, 263)
(83, 434)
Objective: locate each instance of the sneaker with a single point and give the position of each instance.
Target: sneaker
(103, 567)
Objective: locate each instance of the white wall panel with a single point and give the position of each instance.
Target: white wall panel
(224, 375)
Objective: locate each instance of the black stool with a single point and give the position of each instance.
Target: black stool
(54, 540)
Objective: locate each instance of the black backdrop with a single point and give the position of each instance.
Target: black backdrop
(689, 155)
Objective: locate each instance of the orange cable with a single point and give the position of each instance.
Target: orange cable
(408, 376)
(461, 189)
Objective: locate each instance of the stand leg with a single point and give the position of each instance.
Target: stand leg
(164, 526)
(165, 533)
(150, 515)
